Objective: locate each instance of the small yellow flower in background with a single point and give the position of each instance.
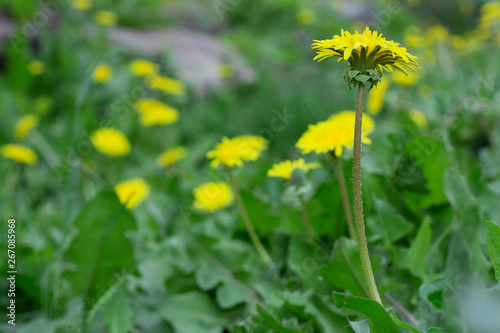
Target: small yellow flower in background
(154, 112)
(414, 38)
(36, 67)
(334, 134)
(285, 169)
(25, 125)
(234, 152)
(376, 97)
(106, 18)
(132, 192)
(81, 4)
(418, 117)
(305, 16)
(141, 67)
(166, 84)
(405, 80)
(111, 142)
(102, 73)
(436, 34)
(210, 197)
(459, 43)
(225, 70)
(19, 153)
(490, 17)
(171, 156)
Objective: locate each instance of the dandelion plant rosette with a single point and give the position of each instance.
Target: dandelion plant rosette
(368, 54)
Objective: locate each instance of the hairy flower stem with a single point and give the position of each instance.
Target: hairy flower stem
(307, 222)
(358, 200)
(248, 223)
(345, 199)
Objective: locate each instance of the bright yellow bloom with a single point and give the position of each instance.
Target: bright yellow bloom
(19, 153)
(102, 73)
(154, 112)
(490, 16)
(111, 142)
(376, 97)
(405, 80)
(132, 192)
(36, 67)
(24, 125)
(210, 197)
(418, 117)
(82, 4)
(104, 17)
(171, 156)
(166, 84)
(285, 169)
(142, 67)
(305, 16)
(334, 134)
(367, 53)
(226, 70)
(234, 152)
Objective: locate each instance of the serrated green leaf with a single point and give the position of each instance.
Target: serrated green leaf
(118, 313)
(493, 242)
(388, 223)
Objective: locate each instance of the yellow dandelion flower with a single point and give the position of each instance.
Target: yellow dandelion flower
(334, 134)
(418, 117)
(367, 53)
(414, 38)
(405, 80)
(166, 84)
(436, 34)
(36, 67)
(81, 4)
(141, 67)
(284, 169)
(132, 192)
(111, 142)
(234, 152)
(106, 18)
(490, 16)
(154, 112)
(376, 97)
(305, 16)
(19, 153)
(171, 156)
(225, 70)
(102, 73)
(210, 197)
(25, 125)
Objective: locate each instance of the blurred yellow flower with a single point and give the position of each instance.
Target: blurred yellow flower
(132, 192)
(105, 17)
(171, 156)
(102, 73)
(405, 80)
(141, 67)
(490, 17)
(284, 169)
(166, 84)
(19, 153)
(305, 16)
(376, 97)
(418, 117)
(414, 38)
(111, 142)
(24, 125)
(226, 70)
(436, 34)
(81, 4)
(154, 112)
(210, 197)
(234, 152)
(36, 67)
(334, 134)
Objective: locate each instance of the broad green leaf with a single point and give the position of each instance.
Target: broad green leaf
(405, 325)
(208, 276)
(272, 323)
(344, 271)
(457, 191)
(305, 261)
(100, 249)
(230, 293)
(378, 319)
(415, 258)
(118, 313)
(193, 312)
(493, 242)
(388, 223)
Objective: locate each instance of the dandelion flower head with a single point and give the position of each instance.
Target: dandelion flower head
(19, 153)
(153, 112)
(234, 152)
(132, 192)
(166, 84)
(285, 169)
(102, 73)
(110, 142)
(171, 156)
(210, 197)
(141, 67)
(25, 125)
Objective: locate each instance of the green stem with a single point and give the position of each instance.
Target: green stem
(248, 223)
(358, 200)
(307, 222)
(345, 199)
